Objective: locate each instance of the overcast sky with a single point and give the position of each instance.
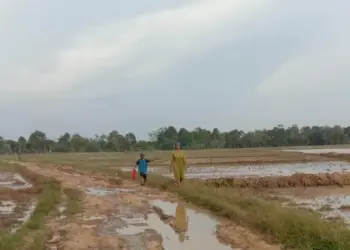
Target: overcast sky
(93, 66)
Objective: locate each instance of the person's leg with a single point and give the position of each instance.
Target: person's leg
(176, 175)
(142, 178)
(182, 173)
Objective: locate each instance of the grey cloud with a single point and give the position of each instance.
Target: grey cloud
(214, 88)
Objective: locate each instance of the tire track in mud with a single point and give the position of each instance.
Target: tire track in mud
(116, 220)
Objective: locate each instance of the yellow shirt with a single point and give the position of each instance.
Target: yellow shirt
(178, 159)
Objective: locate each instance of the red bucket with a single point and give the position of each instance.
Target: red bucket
(133, 175)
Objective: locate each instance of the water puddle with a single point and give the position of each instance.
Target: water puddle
(321, 150)
(150, 231)
(265, 170)
(106, 191)
(331, 206)
(194, 230)
(7, 207)
(13, 181)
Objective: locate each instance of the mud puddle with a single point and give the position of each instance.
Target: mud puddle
(188, 229)
(13, 215)
(7, 207)
(265, 170)
(145, 229)
(13, 181)
(25, 216)
(106, 191)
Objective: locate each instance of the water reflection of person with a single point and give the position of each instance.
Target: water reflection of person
(181, 221)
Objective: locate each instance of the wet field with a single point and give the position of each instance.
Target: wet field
(284, 181)
(16, 206)
(216, 172)
(321, 150)
(155, 223)
(332, 203)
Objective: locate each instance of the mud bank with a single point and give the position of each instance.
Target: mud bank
(321, 150)
(295, 180)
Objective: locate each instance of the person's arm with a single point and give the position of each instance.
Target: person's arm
(184, 161)
(148, 161)
(172, 162)
(137, 164)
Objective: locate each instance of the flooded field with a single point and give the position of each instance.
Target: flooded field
(321, 150)
(217, 172)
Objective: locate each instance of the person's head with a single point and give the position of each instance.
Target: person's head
(142, 155)
(178, 145)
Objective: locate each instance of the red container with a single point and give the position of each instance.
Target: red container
(133, 175)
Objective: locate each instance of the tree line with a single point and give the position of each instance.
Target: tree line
(165, 138)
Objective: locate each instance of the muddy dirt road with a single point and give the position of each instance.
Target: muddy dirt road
(124, 215)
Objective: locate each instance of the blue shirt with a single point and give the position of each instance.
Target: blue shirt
(142, 165)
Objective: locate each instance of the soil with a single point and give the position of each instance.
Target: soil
(295, 180)
(16, 203)
(95, 228)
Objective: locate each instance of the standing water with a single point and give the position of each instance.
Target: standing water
(200, 233)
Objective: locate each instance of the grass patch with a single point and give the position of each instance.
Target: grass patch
(294, 228)
(74, 201)
(47, 202)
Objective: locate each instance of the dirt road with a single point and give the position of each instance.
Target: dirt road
(128, 216)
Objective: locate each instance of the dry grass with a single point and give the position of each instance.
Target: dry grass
(295, 180)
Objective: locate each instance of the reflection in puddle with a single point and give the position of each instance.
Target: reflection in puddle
(189, 229)
(194, 230)
(105, 191)
(329, 206)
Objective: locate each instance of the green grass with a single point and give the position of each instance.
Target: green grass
(74, 201)
(47, 201)
(294, 228)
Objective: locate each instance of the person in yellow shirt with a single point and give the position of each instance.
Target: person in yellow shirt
(181, 221)
(178, 164)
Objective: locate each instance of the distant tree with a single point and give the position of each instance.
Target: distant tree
(165, 137)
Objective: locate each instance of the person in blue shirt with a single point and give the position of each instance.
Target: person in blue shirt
(142, 165)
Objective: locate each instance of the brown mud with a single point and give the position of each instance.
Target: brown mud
(295, 180)
(19, 190)
(338, 156)
(123, 217)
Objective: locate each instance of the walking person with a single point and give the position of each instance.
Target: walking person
(142, 165)
(178, 164)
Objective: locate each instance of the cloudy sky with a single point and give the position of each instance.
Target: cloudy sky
(92, 66)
